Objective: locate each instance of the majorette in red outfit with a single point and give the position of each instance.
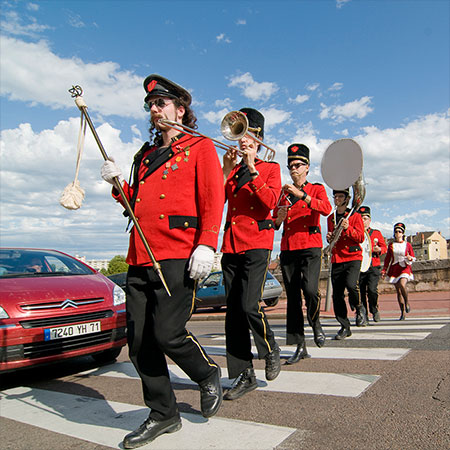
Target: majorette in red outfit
(252, 189)
(397, 266)
(177, 196)
(299, 210)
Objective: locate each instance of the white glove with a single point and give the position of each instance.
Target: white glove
(201, 261)
(110, 170)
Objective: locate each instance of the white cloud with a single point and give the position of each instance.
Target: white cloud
(251, 88)
(300, 99)
(34, 171)
(336, 87)
(215, 116)
(223, 38)
(312, 87)
(241, 22)
(351, 110)
(31, 72)
(274, 116)
(226, 102)
(13, 24)
(341, 3)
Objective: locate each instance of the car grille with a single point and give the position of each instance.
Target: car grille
(62, 305)
(65, 320)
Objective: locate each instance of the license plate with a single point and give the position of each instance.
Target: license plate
(71, 330)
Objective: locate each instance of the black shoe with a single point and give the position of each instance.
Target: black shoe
(361, 318)
(319, 336)
(407, 308)
(246, 383)
(300, 353)
(211, 394)
(150, 430)
(273, 364)
(343, 333)
(402, 316)
(376, 316)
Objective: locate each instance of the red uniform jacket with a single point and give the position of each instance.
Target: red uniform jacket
(376, 234)
(301, 228)
(249, 223)
(347, 248)
(179, 202)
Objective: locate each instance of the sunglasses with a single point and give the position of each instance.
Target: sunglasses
(296, 166)
(159, 103)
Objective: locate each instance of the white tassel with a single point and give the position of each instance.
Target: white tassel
(73, 194)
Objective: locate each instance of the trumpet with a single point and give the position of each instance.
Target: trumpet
(234, 126)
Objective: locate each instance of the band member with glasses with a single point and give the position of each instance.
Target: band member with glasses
(397, 266)
(368, 281)
(346, 262)
(252, 189)
(299, 210)
(177, 195)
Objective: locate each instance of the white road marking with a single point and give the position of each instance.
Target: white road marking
(106, 423)
(341, 385)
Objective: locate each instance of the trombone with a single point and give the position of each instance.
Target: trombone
(234, 126)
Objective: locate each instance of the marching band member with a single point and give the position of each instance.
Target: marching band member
(368, 281)
(346, 262)
(397, 266)
(252, 188)
(177, 195)
(301, 250)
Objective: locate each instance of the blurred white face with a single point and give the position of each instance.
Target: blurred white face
(248, 144)
(298, 169)
(339, 199)
(366, 220)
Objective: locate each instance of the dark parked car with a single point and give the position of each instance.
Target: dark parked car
(54, 307)
(211, 292)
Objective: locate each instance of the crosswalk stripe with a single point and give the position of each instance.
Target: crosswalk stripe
(341, 385)
(390, 354)
(104, 422)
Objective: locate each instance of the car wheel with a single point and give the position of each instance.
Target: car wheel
(271, 301)
(107, 355)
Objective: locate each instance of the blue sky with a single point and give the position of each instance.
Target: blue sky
(375, 71)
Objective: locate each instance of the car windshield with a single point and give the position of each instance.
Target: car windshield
(22, 263)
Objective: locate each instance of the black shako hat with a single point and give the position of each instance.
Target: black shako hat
(400, 226)
(364, 211)
(156, 85)
(298, 151)
(342, 191)
(255, 120)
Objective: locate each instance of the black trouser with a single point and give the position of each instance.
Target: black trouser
(157, 327)
(301, 272)
(368, 286)
(244, 276)
(345, 275)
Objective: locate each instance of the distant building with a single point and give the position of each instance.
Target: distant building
(428, 245)
(96, 264)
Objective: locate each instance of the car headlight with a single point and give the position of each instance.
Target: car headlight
(119, 295)
(3, 314)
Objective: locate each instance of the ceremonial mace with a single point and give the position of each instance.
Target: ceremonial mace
(76, 93)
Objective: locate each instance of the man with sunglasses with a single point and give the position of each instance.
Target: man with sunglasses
(252, 188)
(299, 210)
(346, 260)
(177, 196)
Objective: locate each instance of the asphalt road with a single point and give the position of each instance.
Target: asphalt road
(386, 387)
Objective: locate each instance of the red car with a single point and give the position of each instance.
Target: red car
(54, 307)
